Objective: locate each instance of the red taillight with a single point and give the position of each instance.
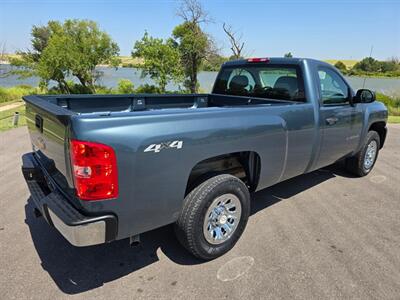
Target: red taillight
(94, 168)
(257, 59)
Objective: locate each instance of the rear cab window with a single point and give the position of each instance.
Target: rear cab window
(272, 81)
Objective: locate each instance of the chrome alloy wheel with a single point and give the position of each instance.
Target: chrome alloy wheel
(370, 154)
(222, 218)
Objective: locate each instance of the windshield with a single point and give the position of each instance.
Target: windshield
(281, 82)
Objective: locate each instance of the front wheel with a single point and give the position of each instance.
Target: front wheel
(363, 162)
(214, 216)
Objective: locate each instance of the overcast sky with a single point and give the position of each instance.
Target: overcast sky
(318, 29)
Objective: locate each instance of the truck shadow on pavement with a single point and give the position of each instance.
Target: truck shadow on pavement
(76, 270)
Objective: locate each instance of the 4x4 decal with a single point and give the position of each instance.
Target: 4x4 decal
(164, 145)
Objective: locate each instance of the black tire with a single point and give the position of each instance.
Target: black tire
(355, 164)
(189, 227)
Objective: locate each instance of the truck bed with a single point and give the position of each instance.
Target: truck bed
(136, 102)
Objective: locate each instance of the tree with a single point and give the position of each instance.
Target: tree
(81, 46)
(3, 46)
(213, 62)
(340, 66)
(193, 43)
(74, 47)
(389, 66)
(288, 55)
(161, 60)
(27, 62)
(192, 11)
(125, 86)
(235, 40)
(367, 64)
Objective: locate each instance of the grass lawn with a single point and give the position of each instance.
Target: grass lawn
(394, 119)
(6, 118)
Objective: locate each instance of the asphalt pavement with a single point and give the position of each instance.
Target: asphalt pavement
(323, 235)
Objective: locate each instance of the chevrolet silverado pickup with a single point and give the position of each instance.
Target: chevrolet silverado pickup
(110, 167)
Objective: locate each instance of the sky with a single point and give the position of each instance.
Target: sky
(317, 29)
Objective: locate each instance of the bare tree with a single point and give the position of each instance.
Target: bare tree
(3, 59)
(192, 11)
(3, 47)
(395, 59)
(235, 40)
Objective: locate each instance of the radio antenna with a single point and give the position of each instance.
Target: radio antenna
(370, 55)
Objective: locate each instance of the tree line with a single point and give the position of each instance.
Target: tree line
(371, 67)
(74, 48)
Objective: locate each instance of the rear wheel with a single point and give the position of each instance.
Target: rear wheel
(214, 216)
(363, 162)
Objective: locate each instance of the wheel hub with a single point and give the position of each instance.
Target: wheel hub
(222, 218)
(370, 154)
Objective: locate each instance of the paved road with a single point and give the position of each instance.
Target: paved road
(323, 235)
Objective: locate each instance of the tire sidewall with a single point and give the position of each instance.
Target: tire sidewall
(372, 135)
(234, 186)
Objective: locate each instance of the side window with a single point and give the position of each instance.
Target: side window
(333, 89)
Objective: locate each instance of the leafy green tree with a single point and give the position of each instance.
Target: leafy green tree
(367, 64)
(288, 55)
(28, 62)
(148, 89)
(341, 66)
(79, 46)
(193, 45)
(161, 60)
(74, 47)
(389, 66)
(125, 86)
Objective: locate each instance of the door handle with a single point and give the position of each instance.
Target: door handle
(331, 121)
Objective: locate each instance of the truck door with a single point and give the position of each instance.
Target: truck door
(340, 123)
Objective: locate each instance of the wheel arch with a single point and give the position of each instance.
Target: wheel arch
(246, 165)
(380, 128)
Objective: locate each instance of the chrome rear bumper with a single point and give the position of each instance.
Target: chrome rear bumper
(79, 229)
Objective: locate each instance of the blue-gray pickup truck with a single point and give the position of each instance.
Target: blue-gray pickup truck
(110, 167)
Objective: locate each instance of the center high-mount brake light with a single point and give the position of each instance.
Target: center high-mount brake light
(258, 59)
(94, 169)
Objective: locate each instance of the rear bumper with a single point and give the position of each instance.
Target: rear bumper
(79, 229)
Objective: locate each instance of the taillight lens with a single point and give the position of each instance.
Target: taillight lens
(94, 168)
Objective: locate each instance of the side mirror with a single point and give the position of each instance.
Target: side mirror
(364, 96)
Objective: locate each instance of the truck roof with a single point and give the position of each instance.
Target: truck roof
(272, 60)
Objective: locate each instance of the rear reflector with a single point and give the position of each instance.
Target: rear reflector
(94, 168)
(258, 59)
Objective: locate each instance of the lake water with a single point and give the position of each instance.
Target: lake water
(389, 86)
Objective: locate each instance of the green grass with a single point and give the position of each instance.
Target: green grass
(15, 93)
(6, 118)
(392, 103)
(394, 119)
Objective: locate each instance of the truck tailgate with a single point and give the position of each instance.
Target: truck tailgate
(47, 126)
